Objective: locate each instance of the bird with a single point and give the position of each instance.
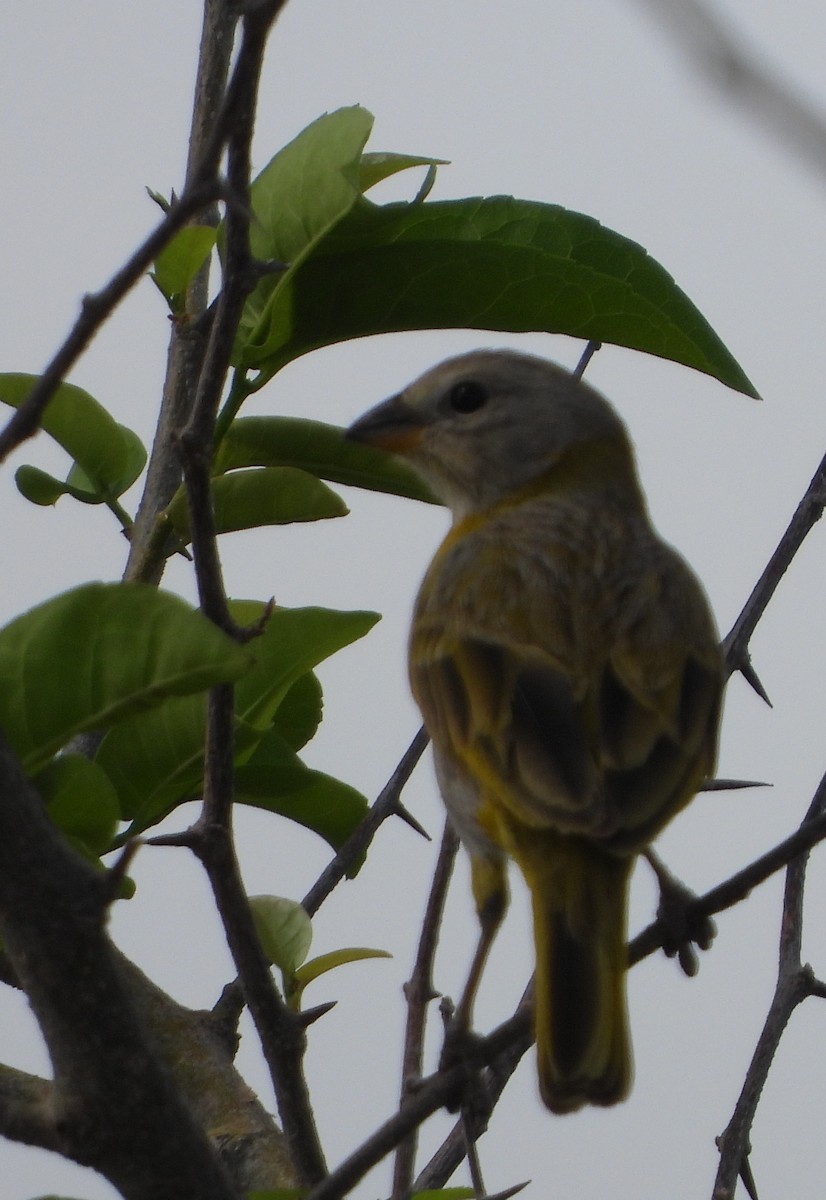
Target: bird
(569, 673)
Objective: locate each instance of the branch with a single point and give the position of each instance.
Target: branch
(282, 1037)
(806, 515)
(453, 1149)
(442, 1089)
(419, 991)
(114, 1107)
(795, 983)
(149, 544)
(95, 311)
(25, 1109)
(387, 805)
(762, 94)
(281, 1034)
(738, 886)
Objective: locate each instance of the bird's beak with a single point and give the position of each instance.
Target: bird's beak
(394, 425)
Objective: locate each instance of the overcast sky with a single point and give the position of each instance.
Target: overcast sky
(585, 105)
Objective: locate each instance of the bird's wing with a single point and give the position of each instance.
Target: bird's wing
(611, 749)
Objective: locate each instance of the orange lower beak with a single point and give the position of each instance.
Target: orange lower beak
(393, 425)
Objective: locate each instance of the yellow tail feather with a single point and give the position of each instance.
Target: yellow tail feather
(579, 897)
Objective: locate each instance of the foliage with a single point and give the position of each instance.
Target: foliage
(120, 701)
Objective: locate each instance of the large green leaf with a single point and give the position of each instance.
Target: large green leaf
(320, 449)
(294, 641)
(497, 263)
(155, 760)
(110, 456)
(92, 656)
(272, 495)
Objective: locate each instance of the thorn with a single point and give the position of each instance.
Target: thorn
(250, 632)
(748, 1179)
(311, 1015)
(188, 838)
(117, 872)
(408, 818)
(508, 1192)
(732, 785)
(750, 675)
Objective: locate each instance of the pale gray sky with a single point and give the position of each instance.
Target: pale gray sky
(585, 105)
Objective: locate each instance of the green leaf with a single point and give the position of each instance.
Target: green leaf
(301, 194)
(293, 642)
(376, 166)
(181, 260)
(265, 496)
(274, 778)
(304, 190)
(284, 931)
(298, 716)
(80, 800)
(92, 656)
(496, 263)
(320, 449)
(155, 760)
(111, 456)
(336, 958)
(327, 962)
(41, 488)
(38, 486)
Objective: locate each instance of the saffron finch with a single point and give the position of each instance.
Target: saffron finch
(568, 670)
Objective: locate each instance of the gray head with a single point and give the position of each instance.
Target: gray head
(483, 425)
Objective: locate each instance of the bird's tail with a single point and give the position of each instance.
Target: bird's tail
(579, 897)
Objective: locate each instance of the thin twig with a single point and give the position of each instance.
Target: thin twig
(452, 1151)
(806, 515)
(587, 354)
(419, 991)
(95, 310)
(282, 1037)
(386, 805)
(795, 982)
(151, 539)
(444, 1088)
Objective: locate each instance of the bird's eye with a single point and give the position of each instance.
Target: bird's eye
(467, 396)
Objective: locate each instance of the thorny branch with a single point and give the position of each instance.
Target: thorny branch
(795, 982)
(419, 991)
(387, 804)
(281, 1035)
(806, 515)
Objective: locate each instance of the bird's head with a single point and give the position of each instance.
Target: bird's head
(485, 425)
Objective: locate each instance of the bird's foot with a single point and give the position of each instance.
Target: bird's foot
(684, 926)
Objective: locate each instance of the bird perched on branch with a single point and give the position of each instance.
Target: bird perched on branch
(567, 667)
